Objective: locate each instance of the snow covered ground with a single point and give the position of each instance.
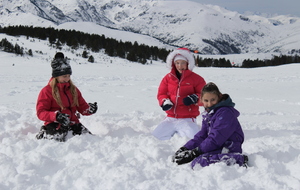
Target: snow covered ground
(123, 155)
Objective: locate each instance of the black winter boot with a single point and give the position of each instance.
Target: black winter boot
(79, 129)
(52, 131)
(246, 159)
(40, 135)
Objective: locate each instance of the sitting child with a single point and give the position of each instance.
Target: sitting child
(221, 136)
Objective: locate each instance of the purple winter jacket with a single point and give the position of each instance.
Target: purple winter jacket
(221, 132)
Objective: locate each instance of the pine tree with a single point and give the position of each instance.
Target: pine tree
(85, 54)
(30, 52)
(91, 59)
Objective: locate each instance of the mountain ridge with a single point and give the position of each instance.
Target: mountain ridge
(210, 29)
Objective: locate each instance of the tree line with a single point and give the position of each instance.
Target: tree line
(247, 63)
(6, 46)
(131, 51)
(275, 61)
(75, 39)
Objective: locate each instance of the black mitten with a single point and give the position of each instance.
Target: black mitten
(63, 119)
(186, 156)
(167, 105)
(178, 152)
(190, 99)
(93, 108)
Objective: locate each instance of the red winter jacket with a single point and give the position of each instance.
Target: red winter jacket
(47, 107)
(174, 89)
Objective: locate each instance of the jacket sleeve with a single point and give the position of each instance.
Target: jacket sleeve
(43, 106)
(220, 132)
(83, 106)
(201, 83)
(163, 91)
(198, 139)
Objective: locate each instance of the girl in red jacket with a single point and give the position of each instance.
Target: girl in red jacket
(178, 95)
(59, 102)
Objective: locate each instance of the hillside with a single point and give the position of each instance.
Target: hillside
(206, 28)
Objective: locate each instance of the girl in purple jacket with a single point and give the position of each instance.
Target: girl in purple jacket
(221, 136)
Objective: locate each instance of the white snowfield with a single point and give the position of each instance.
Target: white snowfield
(122, 154)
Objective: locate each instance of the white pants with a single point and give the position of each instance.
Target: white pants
(183, 126)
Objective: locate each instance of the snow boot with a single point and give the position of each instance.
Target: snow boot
(246, 159)
(53, 131)
(78, 129)
(40, 135)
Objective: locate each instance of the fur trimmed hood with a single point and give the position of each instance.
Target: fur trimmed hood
(185, 53)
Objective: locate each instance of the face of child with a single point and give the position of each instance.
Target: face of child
(64, 78)
(180, 65)
(209, 99)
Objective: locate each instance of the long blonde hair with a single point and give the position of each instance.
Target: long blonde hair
(56, 96)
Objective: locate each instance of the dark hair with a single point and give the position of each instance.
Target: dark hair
(59, 55)
(211, 88)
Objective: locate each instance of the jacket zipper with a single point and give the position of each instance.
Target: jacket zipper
(177, 94)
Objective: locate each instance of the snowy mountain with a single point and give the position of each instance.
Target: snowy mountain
(207, 28)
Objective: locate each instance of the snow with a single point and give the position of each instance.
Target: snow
(122, 153)
(167, 21)
(92, 28)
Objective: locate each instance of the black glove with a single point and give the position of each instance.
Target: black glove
(186, 156)
(178, 152)
(63, 119)
(167, 105)
(93, 108)
(190, 99)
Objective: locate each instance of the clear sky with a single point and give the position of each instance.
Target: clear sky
(280, 7)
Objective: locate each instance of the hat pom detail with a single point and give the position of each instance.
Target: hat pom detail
(59, 55)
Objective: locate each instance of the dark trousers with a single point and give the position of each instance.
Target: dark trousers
(59, 133)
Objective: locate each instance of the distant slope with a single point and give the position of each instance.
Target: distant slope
(207, 28)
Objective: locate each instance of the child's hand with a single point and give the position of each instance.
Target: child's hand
(180, 150)
(167, 105)
(93, 108)
(190, 99)
(186, 156)
(63, 119)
